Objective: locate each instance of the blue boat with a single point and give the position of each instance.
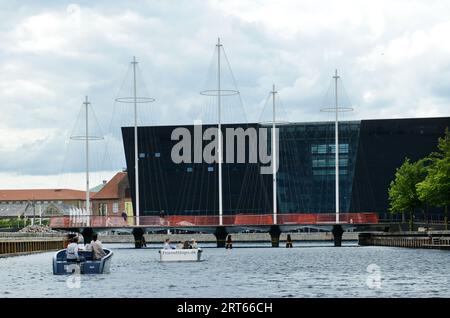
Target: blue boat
(62, 267)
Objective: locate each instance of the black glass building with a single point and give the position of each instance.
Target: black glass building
(369, 153)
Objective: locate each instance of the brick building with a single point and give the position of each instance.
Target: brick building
(114, 197)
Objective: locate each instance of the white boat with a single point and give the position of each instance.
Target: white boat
(180, 255)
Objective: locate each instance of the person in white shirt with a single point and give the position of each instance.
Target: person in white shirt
(97, 248)
(72, 251)
(167, 245)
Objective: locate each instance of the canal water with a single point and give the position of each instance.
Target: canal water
(253, 270)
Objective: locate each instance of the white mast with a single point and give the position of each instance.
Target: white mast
(136, 154)
(219, 139)
(86, 137)
(135, 100)
(336, 145)
(88, 205)
(274, 158)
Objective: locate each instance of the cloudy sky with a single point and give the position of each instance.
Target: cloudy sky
(394, 58)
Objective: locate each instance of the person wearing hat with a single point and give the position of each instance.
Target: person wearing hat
(193, 243)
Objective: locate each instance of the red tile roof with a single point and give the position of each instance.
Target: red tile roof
(111, 189)
(42, 195)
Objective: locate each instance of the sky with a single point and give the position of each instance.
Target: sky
(393, 58)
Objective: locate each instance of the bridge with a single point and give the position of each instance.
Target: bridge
(86, 224)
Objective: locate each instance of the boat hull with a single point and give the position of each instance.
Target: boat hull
(62, 267)
(180, 255)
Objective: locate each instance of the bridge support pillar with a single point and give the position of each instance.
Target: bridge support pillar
(138, 234)
(275, 233)
(87, 233)
(337, 234)
(221, 235)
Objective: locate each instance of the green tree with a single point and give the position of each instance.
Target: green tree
(435, 188)
(403, 196)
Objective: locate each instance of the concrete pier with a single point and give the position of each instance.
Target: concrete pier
(337, 235)
(221, 235)
(139, 238)
(275, 235)
(87, 235)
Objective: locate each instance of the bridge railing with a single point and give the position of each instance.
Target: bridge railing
(212, 220)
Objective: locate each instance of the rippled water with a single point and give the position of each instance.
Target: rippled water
(312, 270)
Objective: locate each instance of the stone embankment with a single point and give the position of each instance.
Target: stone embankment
(424, 239)
(236, 237)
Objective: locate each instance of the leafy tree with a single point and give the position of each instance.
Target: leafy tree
(403, 196)
(435, 188)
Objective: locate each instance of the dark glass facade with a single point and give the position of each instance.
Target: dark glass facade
(369, 151)
(192, 188)
(382, 148)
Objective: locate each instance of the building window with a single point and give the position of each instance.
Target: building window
(210, 169)
(157, 154)
(328, 148)
(189, 169)
(142, 155)
(329, 162)
(103, 209)
(115, 207)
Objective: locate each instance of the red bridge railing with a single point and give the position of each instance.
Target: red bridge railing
(207, 220)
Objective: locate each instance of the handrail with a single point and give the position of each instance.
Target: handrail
(212, 220)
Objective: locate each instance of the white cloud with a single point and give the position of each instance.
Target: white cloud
(393, 57)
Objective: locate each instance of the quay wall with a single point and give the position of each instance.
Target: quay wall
(236, 237)
(14, 246)
(428, 239)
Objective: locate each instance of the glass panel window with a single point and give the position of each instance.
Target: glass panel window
(157, 154)
(328, 148)
(343, 162)
(189, 169)
(210, 169)
(343, 148)
(321, 149)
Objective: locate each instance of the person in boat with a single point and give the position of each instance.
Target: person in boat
(143, 242)
(97, 248)
(72, 254)
(288, 241)
(180, 245)
(194, 244)
(229, 244)
(167, 245)
(186, 245)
